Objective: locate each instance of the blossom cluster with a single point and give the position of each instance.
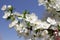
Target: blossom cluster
(28, 25)
(50, 3)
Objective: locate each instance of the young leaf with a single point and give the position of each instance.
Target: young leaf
(24, 13)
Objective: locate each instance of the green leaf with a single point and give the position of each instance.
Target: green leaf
(24, 13)
(28, 23)
(58, 27)
(38, 30)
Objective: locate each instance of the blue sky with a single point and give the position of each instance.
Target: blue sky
(20, 6)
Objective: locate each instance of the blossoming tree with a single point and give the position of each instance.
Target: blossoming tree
(30, 27)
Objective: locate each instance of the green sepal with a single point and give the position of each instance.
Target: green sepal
(11, 17)
(28, 23)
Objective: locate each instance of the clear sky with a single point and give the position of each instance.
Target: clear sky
(19, 5)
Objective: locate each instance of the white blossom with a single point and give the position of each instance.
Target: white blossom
(37, 22)
(51, 21)
(52, 3)
(53, 28)
(31, 18)
(4, 7)
(13, 23)
(21, 28)
(18, 27)
(29, 39)
(55, 4)
(57, 7)
(9, 6)
(44, 33)
(6, 15)
(36, 25)
(41, 25)
(42, 2)
(18, 15)
(44, 25)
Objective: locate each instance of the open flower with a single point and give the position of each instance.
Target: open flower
(21, 28)
(51, 3)
(18, 15)
(13, 23)
(55, 4)
(31, 18)
(36, 25)
(42, 2)
(4, 7)
(44, 25)
(51, 21)
(44, 33)
(41, 25)
(6, 15)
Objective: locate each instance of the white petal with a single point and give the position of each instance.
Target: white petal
(31, 18)
(9, 6)
(4, 7)
(53, 27)
(45, 25)
(13, 23)
(6, 15)
(44, 33)
(40, 2)
(17, 13)
(51, 21)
